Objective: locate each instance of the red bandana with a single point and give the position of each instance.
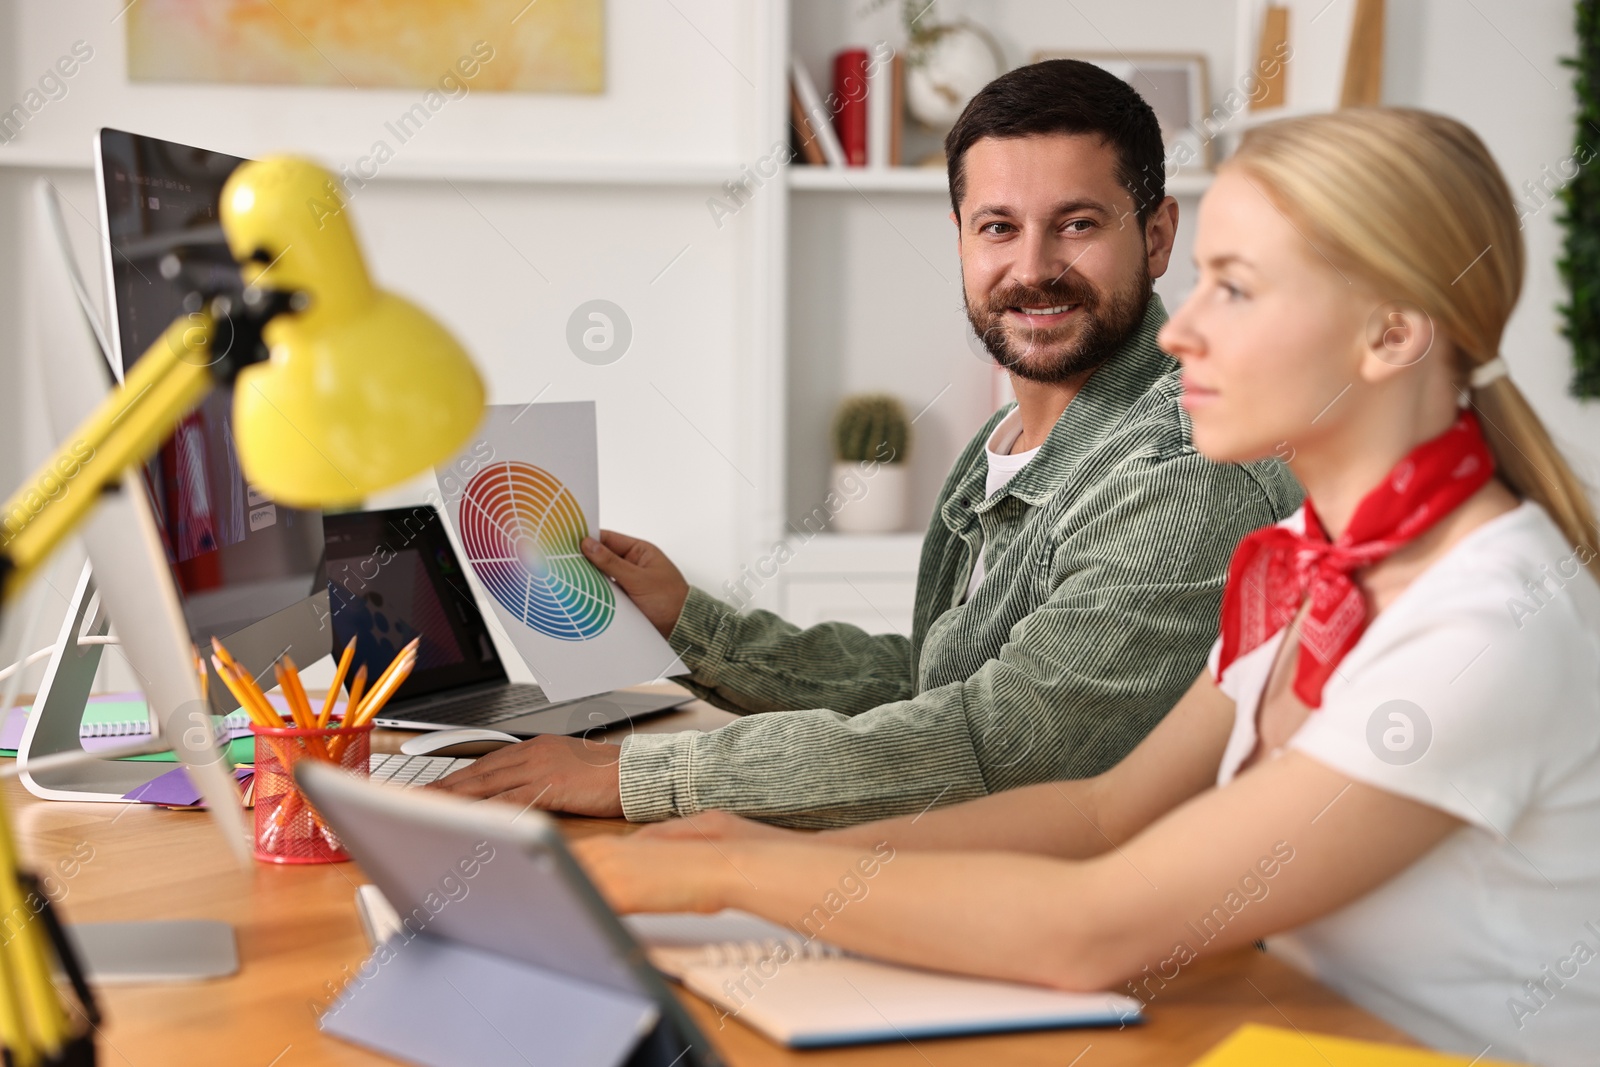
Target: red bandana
(1275, 570)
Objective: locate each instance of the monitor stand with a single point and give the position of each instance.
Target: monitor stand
(58, 713)
(111, 953)
(53, 725)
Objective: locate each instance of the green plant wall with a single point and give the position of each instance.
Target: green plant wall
(1580, 214)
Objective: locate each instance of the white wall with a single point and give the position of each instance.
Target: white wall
(669, 97)
(1494, 64)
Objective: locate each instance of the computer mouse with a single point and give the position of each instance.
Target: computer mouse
(472, 741)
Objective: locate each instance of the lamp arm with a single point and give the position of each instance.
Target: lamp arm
(173, 375)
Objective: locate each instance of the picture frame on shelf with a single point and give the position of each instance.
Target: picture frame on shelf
(1329, 54)
(1176, 84)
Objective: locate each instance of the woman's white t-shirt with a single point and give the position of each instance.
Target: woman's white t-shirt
(1476, 692)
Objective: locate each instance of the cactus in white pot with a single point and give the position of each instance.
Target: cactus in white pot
(871, 440)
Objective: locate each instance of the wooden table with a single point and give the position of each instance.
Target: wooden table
(299, 939)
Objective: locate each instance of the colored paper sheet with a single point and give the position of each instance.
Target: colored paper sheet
(520, 497)
(175, 788)
(1270, 1046)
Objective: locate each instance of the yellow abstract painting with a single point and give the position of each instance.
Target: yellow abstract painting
(551, 46)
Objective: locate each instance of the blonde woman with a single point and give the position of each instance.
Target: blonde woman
(1392, 767)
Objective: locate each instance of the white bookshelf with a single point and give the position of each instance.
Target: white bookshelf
(865, 579)
(1191, 183)
(871, 284)
(867, 179)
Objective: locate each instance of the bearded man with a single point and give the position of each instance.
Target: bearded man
(1073, 568)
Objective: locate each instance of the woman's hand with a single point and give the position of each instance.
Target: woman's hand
(635, 875)
(718, 826)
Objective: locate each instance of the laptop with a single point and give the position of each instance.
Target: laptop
(392, 576)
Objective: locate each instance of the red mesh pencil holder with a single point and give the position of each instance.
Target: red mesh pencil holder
(288, 828)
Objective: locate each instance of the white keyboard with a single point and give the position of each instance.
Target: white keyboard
(412, 771)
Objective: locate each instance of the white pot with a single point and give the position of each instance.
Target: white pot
(869, 498)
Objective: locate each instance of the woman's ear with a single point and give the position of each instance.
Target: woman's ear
(1399, 334)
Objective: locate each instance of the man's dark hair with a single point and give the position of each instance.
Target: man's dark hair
(1066, 96)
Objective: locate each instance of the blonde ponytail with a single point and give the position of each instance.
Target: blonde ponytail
(1413, 204)
(1530, 463)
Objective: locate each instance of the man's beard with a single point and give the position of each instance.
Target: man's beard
(1098, 327)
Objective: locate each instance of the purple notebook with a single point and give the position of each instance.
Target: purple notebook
(176, 790)
(11, 730)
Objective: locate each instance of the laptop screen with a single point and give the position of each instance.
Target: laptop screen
(392, 577)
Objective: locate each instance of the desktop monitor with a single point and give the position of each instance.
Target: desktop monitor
(247, 570)
(128, 579)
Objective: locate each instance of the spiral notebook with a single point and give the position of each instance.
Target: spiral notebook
(806, 993)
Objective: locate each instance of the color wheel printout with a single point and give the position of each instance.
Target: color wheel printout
(525, 492)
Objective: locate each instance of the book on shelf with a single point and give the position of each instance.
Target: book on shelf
(805, 138)
(897, 110)
(816, 115)
(850, 104)
(863, 116)
(880, 99)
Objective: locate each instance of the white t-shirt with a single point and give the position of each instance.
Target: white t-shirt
(1497, 693)
(1003, 466)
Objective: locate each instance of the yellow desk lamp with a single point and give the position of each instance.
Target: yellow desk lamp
(340, 389)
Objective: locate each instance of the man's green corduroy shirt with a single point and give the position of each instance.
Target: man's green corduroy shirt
(1104, 562)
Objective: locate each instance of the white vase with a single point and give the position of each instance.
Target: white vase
(948, 73)
(869, 498)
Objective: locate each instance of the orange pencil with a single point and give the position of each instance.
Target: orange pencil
(392, 677)
(250, 685)
(411, 649)
(299, 705)
(247, 681)
(357, 688)
(375, 700)
(249, 695)
(239, 694)
(370, 705)
(338, 680)
(298, 709)
(216, 646)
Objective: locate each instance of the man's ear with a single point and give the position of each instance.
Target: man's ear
(1399, 334)
(1160, 231)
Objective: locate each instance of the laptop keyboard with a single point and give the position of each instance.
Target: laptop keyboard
(477, 709)
(412, 771)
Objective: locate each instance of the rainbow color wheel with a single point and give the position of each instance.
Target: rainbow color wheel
(521, 528)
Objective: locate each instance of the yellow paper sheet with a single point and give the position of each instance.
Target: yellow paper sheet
(1270, 1046)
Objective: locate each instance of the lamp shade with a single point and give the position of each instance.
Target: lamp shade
(363, 389)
